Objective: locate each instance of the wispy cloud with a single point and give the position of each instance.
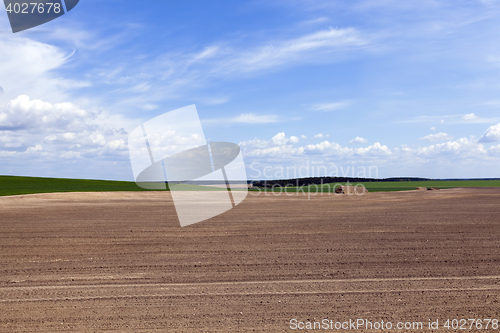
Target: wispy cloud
(250, 118)
(32, 64)
(244, 118)
(216, 100)
(318, 20)
(149, 106)
(304, 48)
(169, 74)
(470, 118)
(494, 103)
(330, 106)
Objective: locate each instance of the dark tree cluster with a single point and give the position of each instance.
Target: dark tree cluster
(329, 180)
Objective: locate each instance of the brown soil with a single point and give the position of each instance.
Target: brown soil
(120, 262)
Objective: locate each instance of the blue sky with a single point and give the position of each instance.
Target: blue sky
(411, 88)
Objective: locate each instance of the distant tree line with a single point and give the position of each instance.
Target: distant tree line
(329, 180)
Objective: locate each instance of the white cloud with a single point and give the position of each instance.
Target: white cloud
(250, 118)
(320, 136)
(30, 126)
(445, 157)
(330, 106)
(208, 52)
(280, 139)
(316, 21)
(33, 149)
(461, 147)
(494, 103)
(492, 134)
(433, 128)
(177, 72)
(216, 100)
(437, 137)
(469, 117)
(281, 146)
(358, 140)
(473, 118)
(494, 150)
(23, 113)
(375, 149)
(254, 144)
(288, 51)
(283, 152)
(244, 118)
(452, 119)
(33, 66)
(327, 148)
(149, 106)
(419, 119)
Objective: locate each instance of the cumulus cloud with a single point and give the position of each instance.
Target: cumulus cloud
(358, 140)
(278, 155)
(492, 134)
(23, 113)
(320, 136)
(375, 149)
(494, 150)
(437, 137)
(473, 118)
(29, 126)
(469, 117)
(282, 146)
(327, 148)
(463, 147)
(279, 139)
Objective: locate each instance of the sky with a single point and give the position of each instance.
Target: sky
(306, 88)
